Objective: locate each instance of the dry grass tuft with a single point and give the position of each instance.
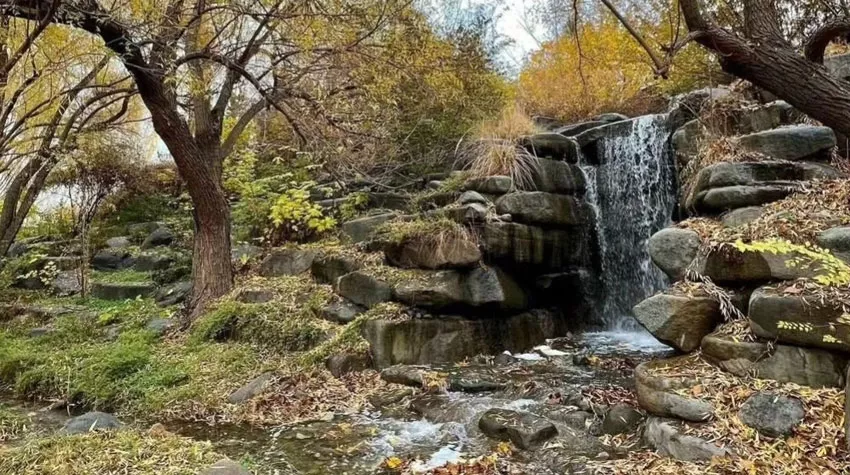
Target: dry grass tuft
(496, 147)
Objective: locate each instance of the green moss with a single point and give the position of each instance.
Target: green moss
(291, 322)
(110, 452)
(121, 276)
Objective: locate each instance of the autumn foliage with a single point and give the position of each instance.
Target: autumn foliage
(602, 69)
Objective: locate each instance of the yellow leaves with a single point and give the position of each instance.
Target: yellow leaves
(393, 463)
(600, 70)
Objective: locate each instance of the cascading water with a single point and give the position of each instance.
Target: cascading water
(633, 192)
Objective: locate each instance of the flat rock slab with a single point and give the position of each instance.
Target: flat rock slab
(122, 291)
(657, 396)
(524, 429)
(556, 177)
(784, 363)
(728, 265)
(790, 143)
(771, 414)
(548, 209)
(490, 185)
(362, 229)
(283, 262)
(523, 245)
(667, 440)
(364, 289)
(226, 467)
(799, 321)
(552, 145)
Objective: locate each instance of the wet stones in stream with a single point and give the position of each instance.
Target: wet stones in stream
(524, 429)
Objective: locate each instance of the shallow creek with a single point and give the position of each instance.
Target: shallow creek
(433, 428)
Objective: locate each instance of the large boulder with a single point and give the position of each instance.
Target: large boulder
(728, 265)
(574, 129)
(364, 289)
(160, 237)
(362, 229)
(764, 172)
(149, 261)
(112, 259)
(772, 414)
(329, 268)
(555, 177)
(548, 209)
(716, 200)
(453, 339)
(89, 422)
(173, 294)
(119, 242)
(453, 251)
(551, 145)
(524, 429)
(521, 245)
(663, 437)
(673, 250)
(791, 143)
(490, 185)
(797, 320)
(679, 320)
(658, 394)
(480, 287)
(783, 363)
(287, 262)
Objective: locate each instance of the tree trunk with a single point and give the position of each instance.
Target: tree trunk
(212, 271)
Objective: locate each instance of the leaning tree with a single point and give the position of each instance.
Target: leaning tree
(191, 60)
(777, 45)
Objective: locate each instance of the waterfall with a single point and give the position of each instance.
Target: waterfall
(633, 193)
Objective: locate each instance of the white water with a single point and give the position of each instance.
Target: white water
(633, 194)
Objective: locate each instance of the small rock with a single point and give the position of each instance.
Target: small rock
(256, 295)
(469, 197)
(836, 240)
(524, 429)
(413, 376)
(40, 332)
(621, 419)
(119, 242)
(773, 415)
(287, 262)
(161, 326)
(252, 389)
(226, 467)
(341, 312)
(67, 283)
(89, 422)
(741, 216)
(173, 294)
(668, 441)
(344, 363)
(160, 237)
(384, 399)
